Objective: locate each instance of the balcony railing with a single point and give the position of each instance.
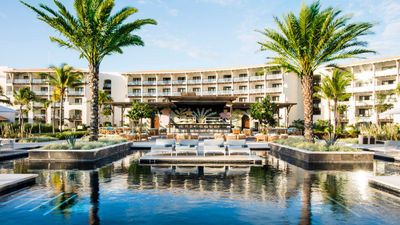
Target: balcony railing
(385, 87)
(274, 77)
(149, 94)
(224, 80)
(75, 92)
(366, 88)
(164, 93)
(225, 92)
(164, 82)
(258, 90)
(22, 81)
(37, 104)
(240, 79)
(41, 92)
(276, 89)
(194, 81)
(253, 78)
(386, 72)
(75, 103)
(9, 93)
(209, 92)
(134, 83)
(75, 117)
(39, 81)
(179, 82)
(364, 102)
(107, 86)
(209, 80)
(240, 91)
(149, 82)
(134, 94)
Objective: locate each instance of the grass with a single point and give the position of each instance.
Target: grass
(348, 140)
(37, 139)
(315, 147)
(85, 144)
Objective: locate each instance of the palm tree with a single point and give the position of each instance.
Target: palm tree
(23, 98)
(105, 97)
(94, 33)
(64, 77)
(324, 91)
(55, 97)
(314, 38)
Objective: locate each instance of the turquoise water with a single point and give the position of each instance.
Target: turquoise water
(124, 192)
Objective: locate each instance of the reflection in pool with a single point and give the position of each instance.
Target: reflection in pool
(126, 192)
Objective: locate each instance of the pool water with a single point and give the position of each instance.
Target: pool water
(124, 192)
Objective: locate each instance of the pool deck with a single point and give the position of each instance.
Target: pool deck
(389, 184)
(11, 182)
(21, 149)
(218, 159)
(380, 151)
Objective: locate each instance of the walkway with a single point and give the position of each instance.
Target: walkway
(389, 184)
(14, 181)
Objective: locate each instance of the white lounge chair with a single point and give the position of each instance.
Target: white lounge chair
(163, 146)
(237, 146)
(187, 146)
(214, 146)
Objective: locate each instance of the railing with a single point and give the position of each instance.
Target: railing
(149, 94)
(41, 92)
(75, 92)
(75, 117)
(209, 80)
(149, 82)
(253, 78)
(165, 94)
(134, 94)
(22, 81)
(209, 92)
(240, 91)
(9, 93)
(274, 77)
(164, 82)
(240, 79)
(225, 92)
(258, 90)
(134, 83)
(385, 87)
(225, 80)
(37, 104)
(57, 104)
(386, 72)
(39, 81)
(197, 92)
(179, 82)
(277, 89)
(367, 88)
(75, 103)
(8, 81)
(364, 102)
(194, 81)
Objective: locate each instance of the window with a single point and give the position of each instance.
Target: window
(181, 78)
(211, 88)
(42, 111)
(387, 82)
(196, 78)
(364, 112)
(242, 99)
(79, 89)
(211, 77)
(166, 90)
(181, 90)
(259, 86)
(227, 76)
(364, 97)
(151, 79)
(136, 79)
(227, 88)
(43, 88)
(275, 72)
(166, 79)
(26, 77)
(136, 91)
(152, 90)
(276, 85)
(151, 100)
(243, 75)
(258, 99)
(242, 88)
(275, 98)
(196, 89)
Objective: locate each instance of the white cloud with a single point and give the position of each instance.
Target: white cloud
(224, 2)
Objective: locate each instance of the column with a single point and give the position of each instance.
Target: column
(374, 95)
(156, 88)
(141, 88)
(201, 83)
(248, 85)
(172, 87)
(216, 83)
(265, 82)
(187, 80)
(233, 85)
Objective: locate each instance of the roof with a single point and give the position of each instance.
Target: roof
(40, 70)
(195, 70)
(3, 118)
(5, 109)
(371, 61)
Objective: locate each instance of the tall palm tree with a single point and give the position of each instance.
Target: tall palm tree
(23, 98)
(104, 98)
(64, 77)
(324, 91)
(313, 38)
(95, 33)
(55, 97)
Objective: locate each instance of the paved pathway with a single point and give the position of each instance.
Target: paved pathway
(14, 181)
(390, 184)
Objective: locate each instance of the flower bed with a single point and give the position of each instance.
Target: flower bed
(85, 144)
(314, 147)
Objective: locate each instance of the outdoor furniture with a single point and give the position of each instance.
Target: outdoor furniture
(109, 130)
(181, 136)
(170, 136)
(126, 130)
(163, 131)
(261, 137)
(235, 130)
(214, 146)
(273, 137)
(247, 132)
(241, 136)
(237, 146)
(194, 136)
(163, 146)
(153, 131)
(284, 136)
(219, 136)
(230, 137)
(143, 137)
(187, 146)
(132, 137)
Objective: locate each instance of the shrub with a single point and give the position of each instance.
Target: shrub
(348, 140)
(315, 147)
(85, 144)
(63, 135)
(37, 139)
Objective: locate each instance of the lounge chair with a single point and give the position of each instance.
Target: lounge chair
(163, 146)
(237, 146)
(261, 137)
(187, 146)
(231, 137)
(214, 146)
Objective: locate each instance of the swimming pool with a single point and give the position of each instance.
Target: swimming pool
(124, 192)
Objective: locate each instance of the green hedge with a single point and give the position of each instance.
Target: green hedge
(62, 136)
(85, 144)
(315, 147)
(28, 127)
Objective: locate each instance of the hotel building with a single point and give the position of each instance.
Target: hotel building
(242, 85)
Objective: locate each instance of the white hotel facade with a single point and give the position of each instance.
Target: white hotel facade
(247, 84)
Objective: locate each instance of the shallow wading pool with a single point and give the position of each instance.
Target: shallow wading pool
(124, 192)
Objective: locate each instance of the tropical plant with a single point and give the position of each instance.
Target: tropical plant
(23, 98)
(105, 109)
(203, 113)
(71, 139)
(313, 38)
(95, 33)
(55, 97)
(381, 103)
(325, 92)
(140, 110)
(64, 78)
(3, 98)
(264, 111)
(341, 109)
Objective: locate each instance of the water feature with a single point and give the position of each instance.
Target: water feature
(124, 192)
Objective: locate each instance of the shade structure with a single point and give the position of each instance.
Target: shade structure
(394, 111)
(2, 118)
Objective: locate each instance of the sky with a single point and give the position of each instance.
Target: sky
(191, 34)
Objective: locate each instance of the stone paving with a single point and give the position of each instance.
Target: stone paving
(390, 184)
(13, 181)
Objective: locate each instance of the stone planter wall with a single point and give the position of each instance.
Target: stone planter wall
(321, 157)
(79, 155)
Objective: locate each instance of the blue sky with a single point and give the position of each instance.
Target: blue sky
(191, 34)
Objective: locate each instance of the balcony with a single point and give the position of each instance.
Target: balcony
(134, 94)
(255, 78)
(164, 82)
(75, 92)
(209, 92)
(385, 87)
(225, 92)
(194, 81)
(22, 81)
(179, 82)
(75, 117)
(149, 94)
(274, 77)
(165, 94)
(274, 90)
(366, 88)
(241, 91)
(57, 104)
(152, 82)
(387, 72)
(258, 90)
(37, 104)
(75, 103)
(135, 83)
(225, 80)
(41, 92)
(209, 81)
(39, 81)
(239, 79)
(40, 117)
(364, 103)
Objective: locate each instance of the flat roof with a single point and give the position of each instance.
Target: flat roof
(371, 61)
(198, 70)
(40, 70)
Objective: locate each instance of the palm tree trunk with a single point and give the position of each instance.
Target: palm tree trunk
(61, 111)
(21, 121)
(335, 115)
(54, 116)
(329, 116)
(113, 119)
(305, 217)
(307, 86)
(94, 102)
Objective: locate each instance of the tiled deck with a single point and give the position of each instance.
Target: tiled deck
(389, 184)
(192, 159)
(13, 181)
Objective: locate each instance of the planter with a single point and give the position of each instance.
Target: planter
(321, 157)
(79, 155)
